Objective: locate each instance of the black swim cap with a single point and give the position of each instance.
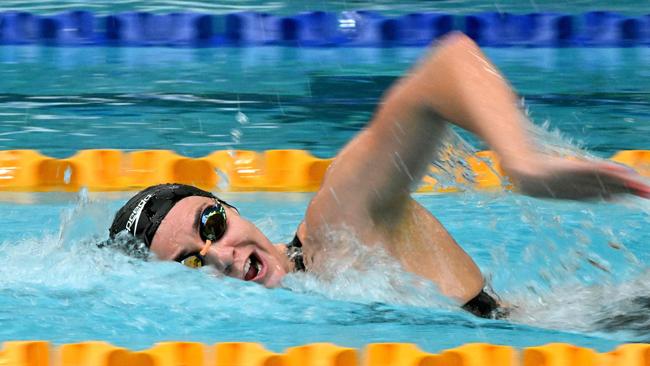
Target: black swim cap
(144, 212)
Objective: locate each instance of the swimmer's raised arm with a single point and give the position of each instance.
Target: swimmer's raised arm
(457, 84)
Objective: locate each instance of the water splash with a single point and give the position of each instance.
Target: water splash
(85, 224)
(554, 142)
(578, 260)
(451, 162)
(350, 270)
(619, 309)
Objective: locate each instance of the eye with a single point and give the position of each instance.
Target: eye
(213, 223)
(193, 261)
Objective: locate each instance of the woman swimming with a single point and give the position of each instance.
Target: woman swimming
(367, 189)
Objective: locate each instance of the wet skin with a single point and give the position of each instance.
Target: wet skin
(243, 252)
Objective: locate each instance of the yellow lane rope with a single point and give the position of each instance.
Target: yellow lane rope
(226, 170)
(40, 353)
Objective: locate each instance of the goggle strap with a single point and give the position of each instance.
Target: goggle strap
(206, 247)
(227, 204)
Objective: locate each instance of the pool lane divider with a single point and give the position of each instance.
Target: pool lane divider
(229, 170)
(96, 353)
(322, 29)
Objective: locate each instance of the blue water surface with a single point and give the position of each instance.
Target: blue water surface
(539, 255)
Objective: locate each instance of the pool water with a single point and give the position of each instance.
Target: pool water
(539, 255)
(566, 266)
(189, 100)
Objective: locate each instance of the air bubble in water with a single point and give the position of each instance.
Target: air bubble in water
(241, 118)
(236, 135)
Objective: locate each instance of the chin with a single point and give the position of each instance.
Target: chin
(274, 280)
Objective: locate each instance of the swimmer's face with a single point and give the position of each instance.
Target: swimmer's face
(243, 252)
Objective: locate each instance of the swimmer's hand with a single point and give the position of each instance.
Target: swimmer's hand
(554, 177)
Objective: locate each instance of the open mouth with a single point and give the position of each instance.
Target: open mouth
(252, 267)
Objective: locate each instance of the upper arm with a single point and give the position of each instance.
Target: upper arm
(385, 161)
(377, 170)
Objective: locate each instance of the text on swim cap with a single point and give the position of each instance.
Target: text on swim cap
(135, 215)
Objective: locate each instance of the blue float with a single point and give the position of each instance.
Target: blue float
(306, 29)
(535, 29)
(369, 28)
(146, 29)
(644, 30)
(602, 28)
(252, 28)
(499, 29)
(323, 29)
(71, 28)
(18, 28)
(551, 30)
(415, 29)
(310, 29)
(419, 29)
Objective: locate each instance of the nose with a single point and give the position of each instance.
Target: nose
(223, 256)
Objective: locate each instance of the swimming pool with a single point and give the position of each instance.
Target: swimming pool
(558, 261)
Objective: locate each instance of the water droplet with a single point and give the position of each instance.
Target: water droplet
(236, 134)
(224, 181)
(241, 118)
(83, 196)
(67, 175)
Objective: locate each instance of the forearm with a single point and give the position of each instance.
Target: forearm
(459, 85)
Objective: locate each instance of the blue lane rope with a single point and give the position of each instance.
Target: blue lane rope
(322, 29)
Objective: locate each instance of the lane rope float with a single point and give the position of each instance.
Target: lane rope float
(225, 170)
(322, 29)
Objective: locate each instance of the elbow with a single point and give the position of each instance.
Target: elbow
(454, 43)
(449, 57)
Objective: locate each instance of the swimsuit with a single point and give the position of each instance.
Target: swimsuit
(482, 305)
(485, 305)
(294, 252)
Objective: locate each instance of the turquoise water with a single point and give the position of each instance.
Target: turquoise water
(188, 99)
(58, 286)
(567, 266)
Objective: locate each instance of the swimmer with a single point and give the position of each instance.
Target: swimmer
(367, 189)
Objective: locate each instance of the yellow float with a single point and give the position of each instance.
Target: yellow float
(225, 170)
(41, 353)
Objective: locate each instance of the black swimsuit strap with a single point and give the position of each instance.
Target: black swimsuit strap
(485, 305)
(294, 252)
